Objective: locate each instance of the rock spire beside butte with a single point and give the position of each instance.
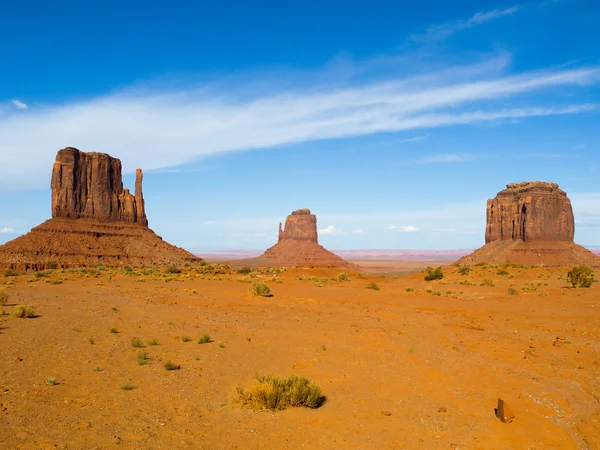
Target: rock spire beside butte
(298, 244)
(531, 223)
(94, 221)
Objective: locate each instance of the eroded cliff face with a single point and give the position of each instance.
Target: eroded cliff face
(301, 225)
(530, 211)
(90, 186)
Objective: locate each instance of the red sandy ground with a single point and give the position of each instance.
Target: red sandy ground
(436, 364)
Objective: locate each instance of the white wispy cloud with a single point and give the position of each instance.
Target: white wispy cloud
(155, 129)
(408, 229)
(359, 231)
(331, 229)
(7, 230)
(438, 32)
(451, 158)
(19, 104)
(392, 227)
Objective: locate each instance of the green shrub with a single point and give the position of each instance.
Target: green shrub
(259, 289)
(142, 358)
(244, 270)
(512, 291)
(153, 342)
(11, 273)
(204, 339)
(464, 270)
(23, 312)
(186, 339)
(487, 282)
(172, 366)
(114, 330)
(373, 286)
(3, 298)
(343, 277)
(137, 343)
(434, 274)
(409, 289)
(172, 269)
(502, 273)
(581, 276)
(273, 393)
(51, 381)
(127, 387)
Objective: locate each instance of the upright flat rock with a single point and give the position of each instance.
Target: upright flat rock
(94, 221)
(298, 244)
(531, 223)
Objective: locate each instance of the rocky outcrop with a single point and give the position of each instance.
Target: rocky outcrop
(301, 225)
(89, 186)
(533, 211)
(298, 244)
(95, 221)
(531, 223)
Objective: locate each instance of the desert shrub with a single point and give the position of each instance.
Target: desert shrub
(23, 312)
(502, 273)
(186, 339)
(172, 366)
(153, 342)
(51, 381)
(204, 339)
(52, 265)
(434, 274)
(487, 282)
(409, 289)
(3, 298)
(275, 393)
(114, 330)
(321, 282)
(259, 289)
(512, 291)
(137, 343)
(127, 387)
(373, 286)
(172, 269)
(142, 358)
(343, 277)
(244, 270)
(466, 283)
(464, 270)
(581, 276)
(11, 273)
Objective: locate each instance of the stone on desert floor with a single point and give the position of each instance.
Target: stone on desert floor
(531, 223)
(503, 412)
(298, 244)
(95, 221)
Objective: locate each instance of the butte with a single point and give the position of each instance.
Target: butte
(95, 221)
(298, 244)
(531, 223)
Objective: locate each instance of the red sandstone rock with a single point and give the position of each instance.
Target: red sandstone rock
(534, 211)
(298, 244)
(89, 185)
(531, 223)
(95, 221)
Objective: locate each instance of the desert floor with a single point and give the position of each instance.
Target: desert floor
(401, 367)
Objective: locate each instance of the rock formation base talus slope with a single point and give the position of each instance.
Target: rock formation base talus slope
(298, 244)
(94, 221)
(531, 223)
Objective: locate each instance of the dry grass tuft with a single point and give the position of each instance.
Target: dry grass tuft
(23, 312)
(279, 393)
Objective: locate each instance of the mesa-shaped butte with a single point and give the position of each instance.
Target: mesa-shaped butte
(298, 244)
(94, 221)
(531, 223)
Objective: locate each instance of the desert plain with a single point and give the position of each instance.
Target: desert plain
(414, 364)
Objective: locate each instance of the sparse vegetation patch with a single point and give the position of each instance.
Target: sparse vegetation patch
(434, 274)
(273, 393)
(23, 312)
(581, 276)
(259, 289)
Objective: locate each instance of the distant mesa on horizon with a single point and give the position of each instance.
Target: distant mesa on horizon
(95, 221)
(298, 244)
(531, 223)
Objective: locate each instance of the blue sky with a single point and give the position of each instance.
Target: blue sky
(392, 123)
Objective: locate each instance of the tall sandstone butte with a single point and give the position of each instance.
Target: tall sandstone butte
(298, 244)
(531, 223)
(94, 221)
(89, 186)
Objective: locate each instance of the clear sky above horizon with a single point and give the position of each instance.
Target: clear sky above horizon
(391, 121)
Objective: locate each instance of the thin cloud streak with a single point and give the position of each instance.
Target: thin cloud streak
(164, 130)
(435, 33)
